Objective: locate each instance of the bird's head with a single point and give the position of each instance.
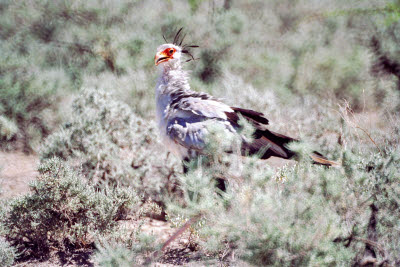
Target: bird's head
(169, 54)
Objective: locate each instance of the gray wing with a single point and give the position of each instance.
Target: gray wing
(202, 105)
(189, 121)
(193, 135)
(189, 135)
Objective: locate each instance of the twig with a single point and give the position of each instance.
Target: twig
(180, 231)
(96, 171)
(346, 118)
(173, 237)
(372, 244)
(369, 136)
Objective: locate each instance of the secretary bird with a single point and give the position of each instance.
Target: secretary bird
(184, 116)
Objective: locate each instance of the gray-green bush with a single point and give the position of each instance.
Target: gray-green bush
(8, 254)
(63, 210)
(8, 129)
(109, 256)
(24, 103)
(112, 145)
(138, 252)
(302, 215)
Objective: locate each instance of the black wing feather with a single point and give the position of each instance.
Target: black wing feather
(273, 144)
(257, 119)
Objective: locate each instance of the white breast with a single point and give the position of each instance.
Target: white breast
(162, 102)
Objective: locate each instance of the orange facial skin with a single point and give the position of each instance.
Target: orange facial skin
(164, 55)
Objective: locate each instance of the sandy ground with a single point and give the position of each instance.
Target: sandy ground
(16, 171)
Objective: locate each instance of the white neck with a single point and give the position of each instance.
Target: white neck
(172, 79)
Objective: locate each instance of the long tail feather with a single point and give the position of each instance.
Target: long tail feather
(269, 143)
(321, 160)
(275, 145)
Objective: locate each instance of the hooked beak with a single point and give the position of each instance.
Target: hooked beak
(160, 57)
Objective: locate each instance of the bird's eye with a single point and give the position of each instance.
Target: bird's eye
(171, 51)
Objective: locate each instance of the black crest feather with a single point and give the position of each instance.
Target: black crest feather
(178, 42)
(176, 38)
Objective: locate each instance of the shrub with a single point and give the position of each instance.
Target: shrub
(64, 211)
(265, 221)
(137, 253)
(324, 72)
(111, 145)
(47, 54)
(375, 180)
(109, 256)
(24, 101)
(8, 254)
(8, 129)
(303, 215)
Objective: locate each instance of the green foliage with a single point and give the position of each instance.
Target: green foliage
(24, 101)
(8, 129)
(109, 256)
(375, 181)
(111, 145)
(269, 223)
(136, 253)
(194, 4)
(303, 215)
(338, 75)
(8, 254)
(64, 211)
(392, 12)
(43, 55)
(99, 131)
(210, 69)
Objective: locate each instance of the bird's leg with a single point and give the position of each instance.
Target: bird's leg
(220, 184)
(185, 163)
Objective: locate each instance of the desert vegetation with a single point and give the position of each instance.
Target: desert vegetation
(77, 85)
